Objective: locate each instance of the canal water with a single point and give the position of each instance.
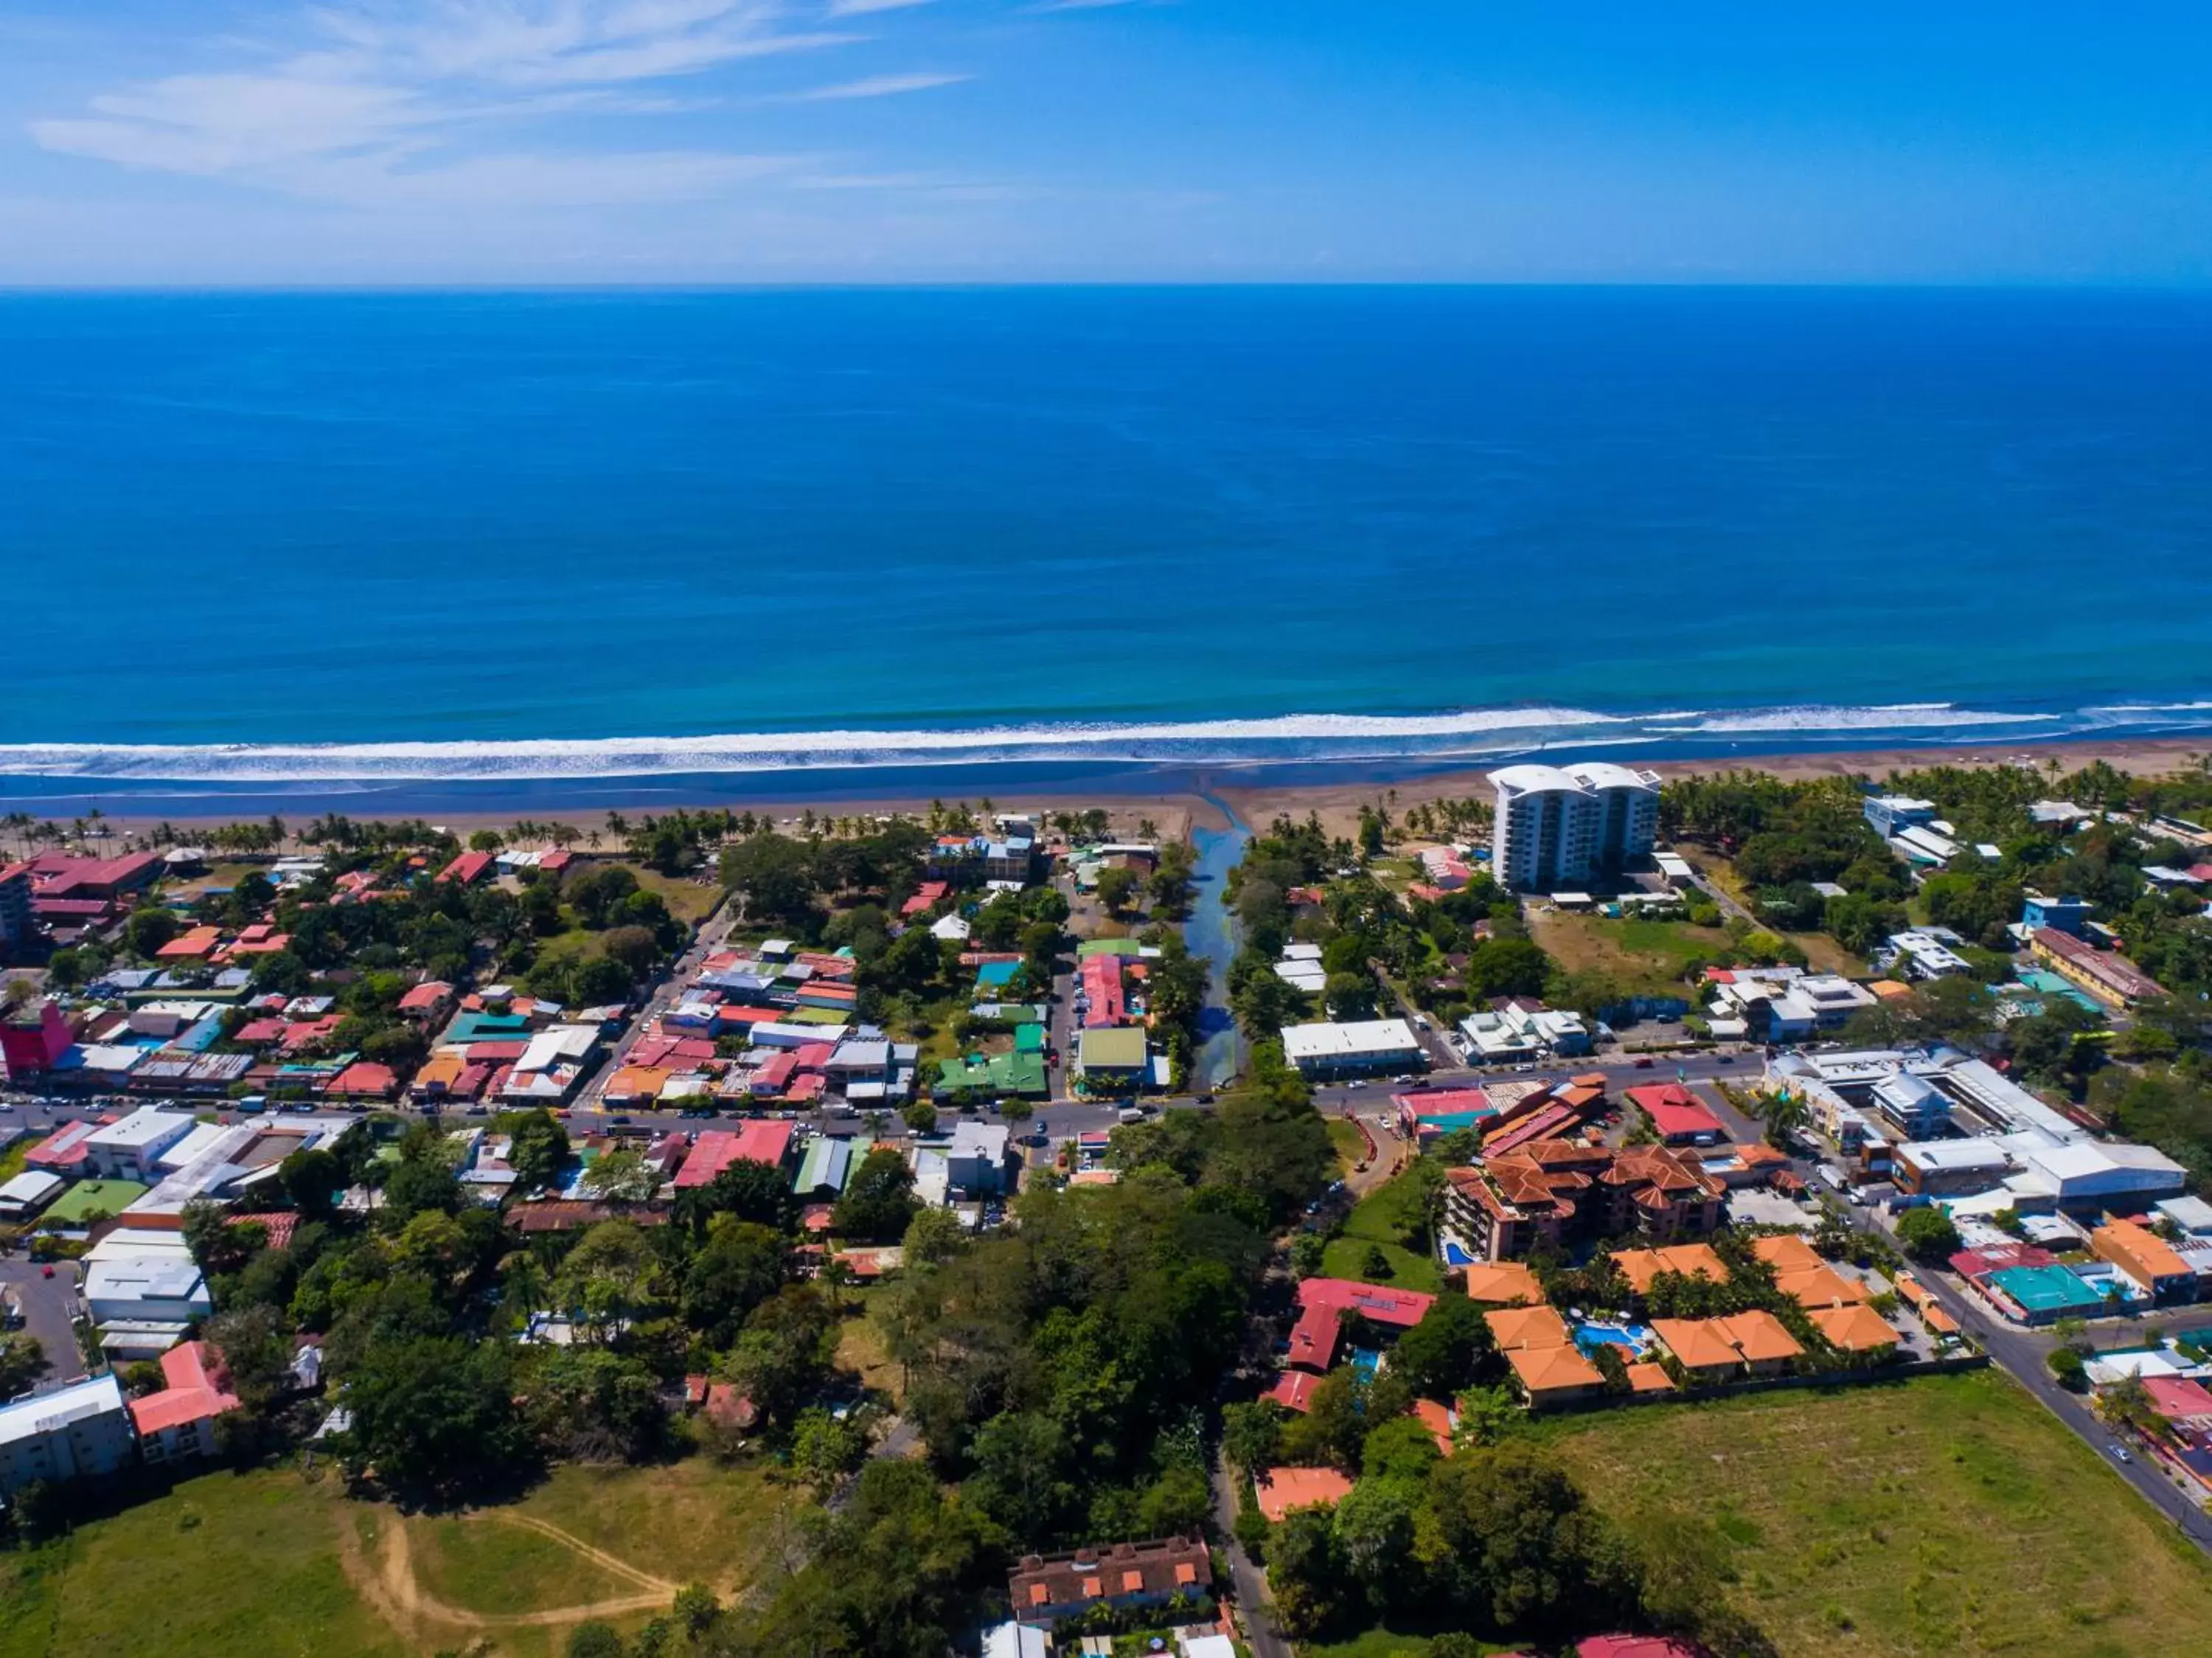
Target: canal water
(1211, 932)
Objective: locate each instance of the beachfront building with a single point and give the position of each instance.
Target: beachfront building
(1892, 814)
(1568, 827)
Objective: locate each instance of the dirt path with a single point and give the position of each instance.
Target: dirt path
(390, 1586)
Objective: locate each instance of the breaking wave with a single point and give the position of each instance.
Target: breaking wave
(1475, 735)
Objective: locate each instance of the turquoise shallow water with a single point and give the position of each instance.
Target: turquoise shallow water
(283, 539)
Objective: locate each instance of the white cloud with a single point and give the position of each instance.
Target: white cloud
(378, 105)
(863, 8)
(877, 86)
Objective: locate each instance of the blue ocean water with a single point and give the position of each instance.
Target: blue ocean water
(298, 537)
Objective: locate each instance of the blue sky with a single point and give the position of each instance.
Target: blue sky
(442, 141)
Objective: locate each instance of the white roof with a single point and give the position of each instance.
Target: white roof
(1328, 1040)
(44, 1413)
(143, 1277)
(30, 1188)
(1954, 1153)
(146, 1129)
(1011, 1639)
(952, 927)
(204, 1136)
(556, 1043)
(973, 1139)
(2190, 1213)
(1604, 774)
(1534, 780)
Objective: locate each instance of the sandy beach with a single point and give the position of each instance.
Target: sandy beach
(1170, 810)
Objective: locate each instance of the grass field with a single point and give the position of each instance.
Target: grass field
(687, 900)
(270, 1563)
(1648, 957)
(1949, 1514)
(1375, 1222)
(1350, 1148)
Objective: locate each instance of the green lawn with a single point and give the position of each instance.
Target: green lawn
(1646, 957)
(1380, 1643)
(1948, 1516)
(1374, 1222)
(224, 1563)
(1350, 1148)
(259, 1562)
(687, 900)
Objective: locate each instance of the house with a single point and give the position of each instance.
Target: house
(1642, 1267)
(2153, 1265)
(143, 1289)
(78, 1432)
(467, 869)
(1323, 1303)
(1042, 1587)
(1678, 1116)
(27, 1193)
(715, 1149)
(1925, 952)
(178, 1421)
(1279, 1491)
(1855, 1327)
(427, 1000)
(1503, 1283)
(1362, 1048)
(977, 1160)
(1892, 814)
(1547, 1367)
(1713, 1349)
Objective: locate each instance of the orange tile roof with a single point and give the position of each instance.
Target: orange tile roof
(1856, 1329)
(1786, 1252)
(1132, 1582)
(1694, 1260)
(1516, 1328)
(1279, 1491)
(1649, 1378)
(1438, 1419)
(1697, 1343)
(1503, 1283)
(1758, 1335)
(1553, 1369)
(1819, 1286)
(1937, 1320)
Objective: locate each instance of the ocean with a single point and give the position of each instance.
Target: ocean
(299, 541)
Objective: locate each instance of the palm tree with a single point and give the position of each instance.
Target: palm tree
(1787, 1114)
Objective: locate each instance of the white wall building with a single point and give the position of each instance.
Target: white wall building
(1360, 1049)
(71, 1433)
(1563, 826)
(130, 1149)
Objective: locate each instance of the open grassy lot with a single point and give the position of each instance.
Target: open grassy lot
(1374, 1222)
(1350, 1148)
(1945, 1515)
(1380, 1643)
(223, 1563)
(269, 1564)
(686, 899)
(1647, 957)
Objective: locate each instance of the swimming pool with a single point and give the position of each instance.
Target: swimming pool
(1454, 1256)
(1633, 1339)
(1445, 1121)
(1365, 1361)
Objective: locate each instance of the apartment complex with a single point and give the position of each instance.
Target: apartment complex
(1565, 827)
(1549, 1191)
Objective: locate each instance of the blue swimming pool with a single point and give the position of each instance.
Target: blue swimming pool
(1365, 1361)
(1446, 1121)
(1454, 1256)
(1633, 1339)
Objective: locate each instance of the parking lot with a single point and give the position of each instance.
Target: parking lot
(49, 1305)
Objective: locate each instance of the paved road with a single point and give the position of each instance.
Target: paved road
(712, 932)
(1249, 1581)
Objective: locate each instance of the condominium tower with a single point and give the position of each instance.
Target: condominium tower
(1565, 827)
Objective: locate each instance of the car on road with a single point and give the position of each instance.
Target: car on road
(2119, 1451)
(1355, 1083)
(1643, 1064)
(1205, 1098)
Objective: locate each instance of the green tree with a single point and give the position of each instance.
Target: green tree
(1252, 1435)
(740, 1265)
(433, 1416)
(878, 1203)
(1438, 1357)
(1927, 1234)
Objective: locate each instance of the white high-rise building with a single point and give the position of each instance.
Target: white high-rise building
(1564, 827)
